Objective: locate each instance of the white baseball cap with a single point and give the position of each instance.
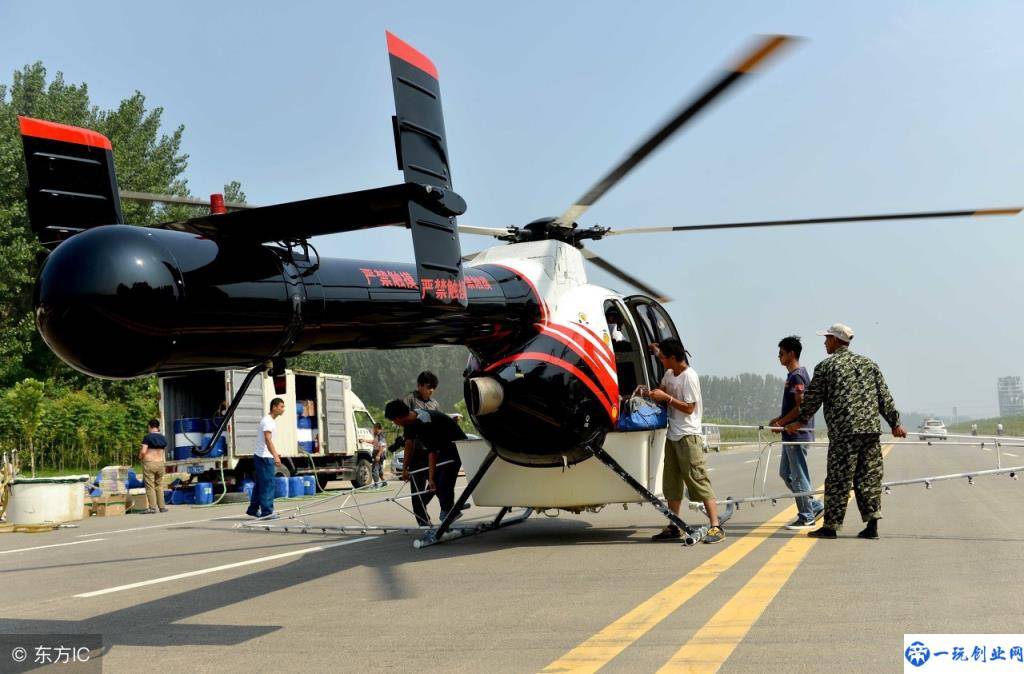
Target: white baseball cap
(839, 331)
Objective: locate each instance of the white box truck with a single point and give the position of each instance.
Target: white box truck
(336, 435)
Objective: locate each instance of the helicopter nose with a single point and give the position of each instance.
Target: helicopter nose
(105, 301)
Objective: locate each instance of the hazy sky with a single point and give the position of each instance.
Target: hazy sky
(885, 107)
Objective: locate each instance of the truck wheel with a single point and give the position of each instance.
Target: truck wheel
(322, 479)
(363, 473)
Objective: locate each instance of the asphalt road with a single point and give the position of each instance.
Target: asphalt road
(187, 591)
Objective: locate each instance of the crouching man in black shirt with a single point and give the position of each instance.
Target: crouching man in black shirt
(437, 433)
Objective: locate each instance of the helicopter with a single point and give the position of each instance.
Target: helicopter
(555, 358)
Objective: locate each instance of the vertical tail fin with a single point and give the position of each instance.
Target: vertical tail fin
(71, 180)
(422, 151)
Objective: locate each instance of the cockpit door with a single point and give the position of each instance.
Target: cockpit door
(654, 324)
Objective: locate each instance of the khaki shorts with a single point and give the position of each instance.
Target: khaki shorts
(684, 464)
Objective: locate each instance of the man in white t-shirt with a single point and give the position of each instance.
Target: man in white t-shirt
(265, 461)
(684, 454)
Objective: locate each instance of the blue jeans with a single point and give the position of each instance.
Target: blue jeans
(263, 492)
(793, 471)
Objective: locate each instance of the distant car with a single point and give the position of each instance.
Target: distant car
(711, 438)
(932, 429)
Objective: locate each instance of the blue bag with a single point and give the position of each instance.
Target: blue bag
(641, 414)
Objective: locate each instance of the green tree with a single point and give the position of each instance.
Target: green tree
(146, 160)
(84, 421)
(25, 403)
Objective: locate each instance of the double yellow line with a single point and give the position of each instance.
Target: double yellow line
(713, 643)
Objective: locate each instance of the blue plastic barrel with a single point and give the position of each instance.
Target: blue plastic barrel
(247, 487)
(218, 450)
(298, 409)
(188, 433)
(280, 487)
(204, 493)
(168, 495)
(309, 482)
(190, 495)
(296, 486)
(306, 434)
(178, 497)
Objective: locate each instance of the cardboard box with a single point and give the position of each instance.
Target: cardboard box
(308, 408)
(108, 505)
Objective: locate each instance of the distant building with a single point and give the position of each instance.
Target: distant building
(1011, 396)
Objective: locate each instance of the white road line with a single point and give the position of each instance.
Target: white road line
(1008, 454)
(55, 545)
(751, 461)
(222, 567)
(160, 526)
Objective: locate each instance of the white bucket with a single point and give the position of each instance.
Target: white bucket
(47, 500)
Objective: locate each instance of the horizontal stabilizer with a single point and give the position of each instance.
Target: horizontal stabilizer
(71, 180)
(325, 215)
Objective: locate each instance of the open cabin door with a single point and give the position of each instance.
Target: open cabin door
(654, 324)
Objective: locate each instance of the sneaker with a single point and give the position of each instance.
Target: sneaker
(163, 510)
(250, 513)
(818, 515)
(147, 511)
(669, 533)
(800, 524)
(271, 516)
(823, 532)
(714, 535)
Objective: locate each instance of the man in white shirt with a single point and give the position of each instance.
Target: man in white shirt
(684, 454)
(265, 461)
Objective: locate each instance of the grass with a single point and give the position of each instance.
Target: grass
(1011, 426)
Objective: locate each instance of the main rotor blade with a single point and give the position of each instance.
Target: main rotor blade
(620, 274)
(174, 199)
(764, 48)
(982, 212)
(496, 232)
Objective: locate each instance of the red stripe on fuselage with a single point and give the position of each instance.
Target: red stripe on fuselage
(410, 55)
(607, 381)
(568, 367)
(592, 349)
(38, 128)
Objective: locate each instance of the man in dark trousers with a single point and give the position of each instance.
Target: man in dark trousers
(429, 442)
(853, 392)
(152, 456)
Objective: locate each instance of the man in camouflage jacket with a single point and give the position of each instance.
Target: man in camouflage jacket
(854, 394)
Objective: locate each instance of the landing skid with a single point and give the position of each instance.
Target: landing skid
(452, 533)
(445, 532)
(691, 534)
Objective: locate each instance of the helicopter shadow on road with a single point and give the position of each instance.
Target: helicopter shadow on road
(168, 620)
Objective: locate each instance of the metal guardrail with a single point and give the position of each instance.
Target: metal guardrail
(765, 453)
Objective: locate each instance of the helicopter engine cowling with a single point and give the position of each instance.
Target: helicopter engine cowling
(558, 395)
